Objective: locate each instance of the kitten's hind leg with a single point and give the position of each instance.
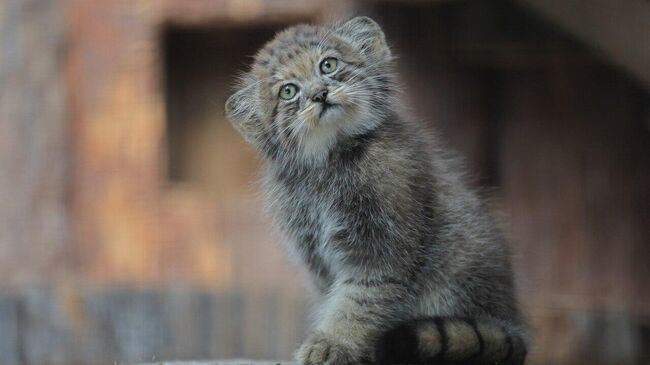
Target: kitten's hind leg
(443, 341)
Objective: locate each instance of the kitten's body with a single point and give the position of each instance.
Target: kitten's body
(410, 266)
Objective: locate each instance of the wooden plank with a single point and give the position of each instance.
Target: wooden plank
(33, 143)
(9, 339)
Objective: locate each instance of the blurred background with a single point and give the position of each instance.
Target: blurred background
(131, 226)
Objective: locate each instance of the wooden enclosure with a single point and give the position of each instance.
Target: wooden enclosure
(131, 228)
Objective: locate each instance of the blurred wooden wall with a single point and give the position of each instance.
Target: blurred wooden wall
(34, 163)
(34, 142)
(558, 139)
(130, 225)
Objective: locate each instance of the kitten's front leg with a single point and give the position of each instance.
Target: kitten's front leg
(321, 348)
(355, 313)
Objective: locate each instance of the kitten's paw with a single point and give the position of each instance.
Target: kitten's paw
(318, 349)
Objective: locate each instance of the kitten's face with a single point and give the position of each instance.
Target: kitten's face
(311, 85)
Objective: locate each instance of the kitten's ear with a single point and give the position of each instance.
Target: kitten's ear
(366, 34)
(241, 109)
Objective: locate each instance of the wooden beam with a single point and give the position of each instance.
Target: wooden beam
(618, 29)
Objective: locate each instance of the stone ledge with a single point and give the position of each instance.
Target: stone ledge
(224, 362)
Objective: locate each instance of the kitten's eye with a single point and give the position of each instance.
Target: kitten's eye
(288, 91)
(328, 65)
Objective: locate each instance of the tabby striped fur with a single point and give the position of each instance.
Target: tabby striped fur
(408, 265)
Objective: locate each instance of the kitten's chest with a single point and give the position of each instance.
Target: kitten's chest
(305, 208)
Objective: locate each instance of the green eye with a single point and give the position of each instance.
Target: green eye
(288, 91)
(328, 65)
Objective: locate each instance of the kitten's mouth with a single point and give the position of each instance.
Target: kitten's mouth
(326, 107)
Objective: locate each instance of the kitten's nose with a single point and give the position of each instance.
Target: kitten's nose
(320, 96)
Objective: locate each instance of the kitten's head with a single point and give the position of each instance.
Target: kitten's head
(311, 85)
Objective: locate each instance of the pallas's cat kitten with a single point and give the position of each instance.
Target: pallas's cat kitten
(409, 266)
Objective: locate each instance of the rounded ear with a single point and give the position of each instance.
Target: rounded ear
(241, 109)
(366, 34)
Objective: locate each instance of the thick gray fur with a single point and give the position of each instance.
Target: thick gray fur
(373, 207)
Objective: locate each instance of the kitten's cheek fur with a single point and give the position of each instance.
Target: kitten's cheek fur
(241, 118)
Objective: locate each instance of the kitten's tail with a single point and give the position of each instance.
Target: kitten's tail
(443, 340)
